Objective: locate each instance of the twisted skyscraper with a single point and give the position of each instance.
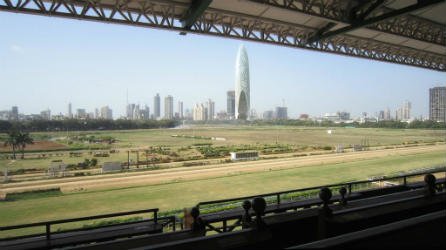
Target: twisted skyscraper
(242, 96)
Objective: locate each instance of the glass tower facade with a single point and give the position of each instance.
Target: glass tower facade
(242, 96)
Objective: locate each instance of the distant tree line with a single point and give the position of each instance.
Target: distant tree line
(311, 123)
(79, 125)
(416, 124)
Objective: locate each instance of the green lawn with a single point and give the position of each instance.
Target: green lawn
(185, 194)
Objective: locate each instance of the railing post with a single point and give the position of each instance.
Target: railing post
(174, 226)
(48, 233)
(430, 181)
(342, 192)
(155, 217)
(246, 217)
(405, 180)
(349, 189)
(278, 199)
(225, 224)
(324, 213)
(198, 225)
(259, 206)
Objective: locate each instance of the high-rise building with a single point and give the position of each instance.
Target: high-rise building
(156, 106)
(407, 106)
(14, 113)
(106, 113)
(81, 114)
(242, 90)
(399, 114)
(168, 107)
(343, 115)
(46, 114)
(230, 103)
(136, 113)
(70, 111)
(180, 110)
(402, 113)
(268, 115)
(199, 113)
(130, 111)
(387, 115)
(381, 115)
(210, 106)
(437, 104)
(281, 113)
(145, 113)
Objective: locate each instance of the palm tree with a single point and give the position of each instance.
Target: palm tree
(23, 140)
(18, 140)
(12, 141)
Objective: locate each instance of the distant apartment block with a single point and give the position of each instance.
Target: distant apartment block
(210, 106)
(281, 113)
(45, 114)
(268, 115)
(14, 113)
(339, 116)
(199, 113)
(402, 113)
(437, 104)
(81, 114)
(106, 113)
(230, 103)
(180, 110)
(130, 111)
(168, 107)
(156, 106)
(387, 115)
(70, 111)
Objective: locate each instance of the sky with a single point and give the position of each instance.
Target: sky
(47, 62)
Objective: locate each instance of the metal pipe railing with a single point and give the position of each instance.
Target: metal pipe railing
(48, 224)
(349, 185)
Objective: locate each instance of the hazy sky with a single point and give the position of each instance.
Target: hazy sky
(46, 62)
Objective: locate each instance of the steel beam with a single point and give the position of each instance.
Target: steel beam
(360, 22)
(369, 10)
(196, 9)
(409, 26)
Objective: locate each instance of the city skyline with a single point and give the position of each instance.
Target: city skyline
(309, 82)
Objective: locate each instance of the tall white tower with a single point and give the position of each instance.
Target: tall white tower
(242, 95)
(70, 112)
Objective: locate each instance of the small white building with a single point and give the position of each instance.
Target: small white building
(244, 156)
(111, 166)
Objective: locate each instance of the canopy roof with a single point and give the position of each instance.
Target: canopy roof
(399, 31)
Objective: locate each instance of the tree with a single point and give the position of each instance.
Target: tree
(23, 140)
(12, 141)
(18, 140)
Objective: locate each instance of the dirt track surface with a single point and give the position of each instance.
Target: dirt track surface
(120, 180)
(37, 145)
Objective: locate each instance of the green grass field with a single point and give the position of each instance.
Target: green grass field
(185, 194)
(233, 135)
